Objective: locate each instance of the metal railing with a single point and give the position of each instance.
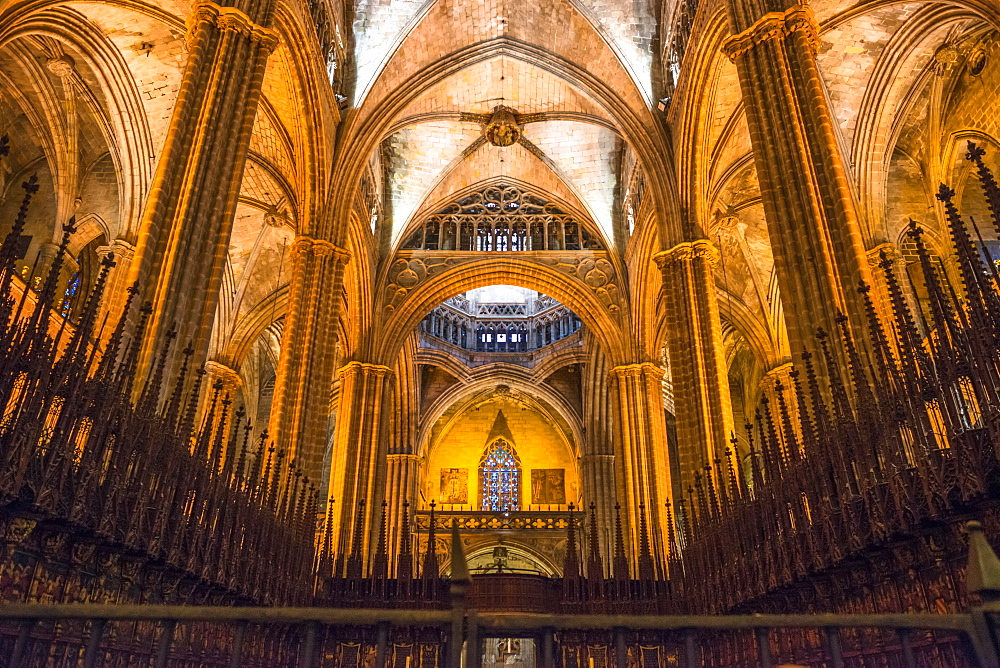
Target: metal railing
(310, 637)
(485, 521)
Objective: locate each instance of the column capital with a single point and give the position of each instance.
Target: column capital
(366, 369)
(232, 19)
(122, 250)
(874, 255)
(230, 378)
(637, 370)
(688, 250)
(320, 248)
(774, 25)
(775, 375)
(402, 457)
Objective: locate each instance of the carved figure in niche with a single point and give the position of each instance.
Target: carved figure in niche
(548, 486)
(454, 486)
(500, 558)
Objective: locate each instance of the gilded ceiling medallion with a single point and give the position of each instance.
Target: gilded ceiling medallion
(502, 129)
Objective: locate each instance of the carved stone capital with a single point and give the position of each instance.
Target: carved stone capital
(366, 369)
(230, 378)
(400, 457)
(640, 370)
(704, 248)
(778, 374)
(686, 251)
(775, 25)
(874, 255)
(122, 250)
(320, 248)
(232, 19)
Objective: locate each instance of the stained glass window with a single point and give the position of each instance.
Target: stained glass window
(500, 477)
(71, 290)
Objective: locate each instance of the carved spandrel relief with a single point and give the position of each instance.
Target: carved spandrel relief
(597, 273)
(411, 269)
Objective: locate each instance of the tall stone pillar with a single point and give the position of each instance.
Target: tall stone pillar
(641, 449)
(229, 382)
(359, 450)
(811, 216)
(879, 292)
(307, 363)
(778, 387)
(115, 292)
(185, 229)
(698, 369)
(597, 461)
(43, 263)
(598, 475)
(400, 487)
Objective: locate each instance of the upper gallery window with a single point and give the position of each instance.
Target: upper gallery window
(502, 219)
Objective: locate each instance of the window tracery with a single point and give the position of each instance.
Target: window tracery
(502, 219)
(500, 477)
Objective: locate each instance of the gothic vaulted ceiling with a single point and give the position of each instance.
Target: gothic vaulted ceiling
(467, 91)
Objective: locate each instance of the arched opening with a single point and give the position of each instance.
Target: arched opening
(504, 319)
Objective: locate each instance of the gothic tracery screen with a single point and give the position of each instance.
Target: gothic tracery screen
(501, 219)
(500, 477)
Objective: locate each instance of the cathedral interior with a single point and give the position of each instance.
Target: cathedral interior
(335, 332)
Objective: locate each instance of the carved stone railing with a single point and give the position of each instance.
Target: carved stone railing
(472, 521)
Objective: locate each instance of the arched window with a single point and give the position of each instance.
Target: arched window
(500, 477)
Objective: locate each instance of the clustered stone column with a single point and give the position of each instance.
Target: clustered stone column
(115, 292)
(307, 364)
(778, 388)
(597, 461)
(359, 451)
(811, 216)
(641, 448)
(400, 487)
(597, 474)
(185, 230)
(879, 292)
(697, 356)
(229, 382)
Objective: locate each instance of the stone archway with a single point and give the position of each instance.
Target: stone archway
(587, 282)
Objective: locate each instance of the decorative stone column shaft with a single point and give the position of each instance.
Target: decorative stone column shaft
(359, 451)
(811, 216)
(643, 477)
(115, 292)
(778, 388)
(597, 461)
(597, 473)
(879, 292)
(400, 487)
(185, 230)
(230, 382)
(43, 262)
(307, 363)
(698, 370)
